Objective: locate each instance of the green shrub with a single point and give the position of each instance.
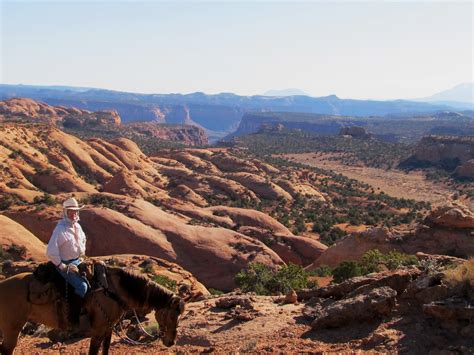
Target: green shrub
(262, 280)
(289, 277)
(255, 279)
(346, 270)
(321, 271)
(103, 201)
(331, 237)
(216, 292)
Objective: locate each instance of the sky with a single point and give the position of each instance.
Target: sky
(361, 50)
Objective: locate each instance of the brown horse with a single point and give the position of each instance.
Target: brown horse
(129, 291)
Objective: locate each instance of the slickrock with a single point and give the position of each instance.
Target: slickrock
(261, 186)
(17, 241)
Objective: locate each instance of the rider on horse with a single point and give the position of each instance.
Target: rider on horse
(67, 244)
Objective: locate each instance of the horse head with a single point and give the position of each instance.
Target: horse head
(168, 318)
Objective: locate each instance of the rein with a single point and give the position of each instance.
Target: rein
(123, 305)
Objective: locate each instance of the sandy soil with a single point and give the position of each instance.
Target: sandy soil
(395, 183)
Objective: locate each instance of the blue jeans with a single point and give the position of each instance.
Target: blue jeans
(74, 279)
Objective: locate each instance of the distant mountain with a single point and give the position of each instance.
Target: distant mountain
(460, 95)
(218, 114)
(285, 92)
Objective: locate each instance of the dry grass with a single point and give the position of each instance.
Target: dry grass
(462, 278)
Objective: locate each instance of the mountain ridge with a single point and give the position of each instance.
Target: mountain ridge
(219, 114)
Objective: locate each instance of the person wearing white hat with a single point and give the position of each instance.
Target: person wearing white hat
(66, 246)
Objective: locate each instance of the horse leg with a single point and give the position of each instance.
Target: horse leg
(106, 343)
(94, 346)
(10, 339)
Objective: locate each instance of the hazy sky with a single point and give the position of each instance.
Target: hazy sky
(352, 49)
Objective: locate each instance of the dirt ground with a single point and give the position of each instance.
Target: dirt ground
(275, 327)
(393, 182)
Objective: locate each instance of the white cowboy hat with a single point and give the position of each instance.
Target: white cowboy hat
(71, 204)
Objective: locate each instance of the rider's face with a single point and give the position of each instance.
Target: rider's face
(71, 214)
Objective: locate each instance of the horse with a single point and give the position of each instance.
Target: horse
(130, 291)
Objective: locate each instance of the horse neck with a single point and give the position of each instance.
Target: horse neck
(138, 292)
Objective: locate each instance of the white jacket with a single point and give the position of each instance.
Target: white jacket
(63, 246)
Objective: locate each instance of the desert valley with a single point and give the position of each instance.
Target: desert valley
(284, 232)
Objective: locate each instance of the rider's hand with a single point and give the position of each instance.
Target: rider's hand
(72, 268)
(62, 267)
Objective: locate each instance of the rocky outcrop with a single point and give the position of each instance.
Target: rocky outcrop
(99, 119)
(447, 152)
(451, 216)
(185, 134)
(398, 280)
(27, 109)
(23, 109)
(447, 230)
(366, 306)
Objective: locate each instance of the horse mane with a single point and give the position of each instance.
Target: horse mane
(142, 290)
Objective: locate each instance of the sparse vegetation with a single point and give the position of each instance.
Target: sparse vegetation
(462, 278)
(165, 282)
(14, 154)
(215, 292)
(7, 200)
(370, 152)
(101, 200)
(45, 199)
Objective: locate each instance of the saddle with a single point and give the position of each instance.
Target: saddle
(48, 286)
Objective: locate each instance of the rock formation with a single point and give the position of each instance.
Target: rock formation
(452, 153)
(448, 230)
